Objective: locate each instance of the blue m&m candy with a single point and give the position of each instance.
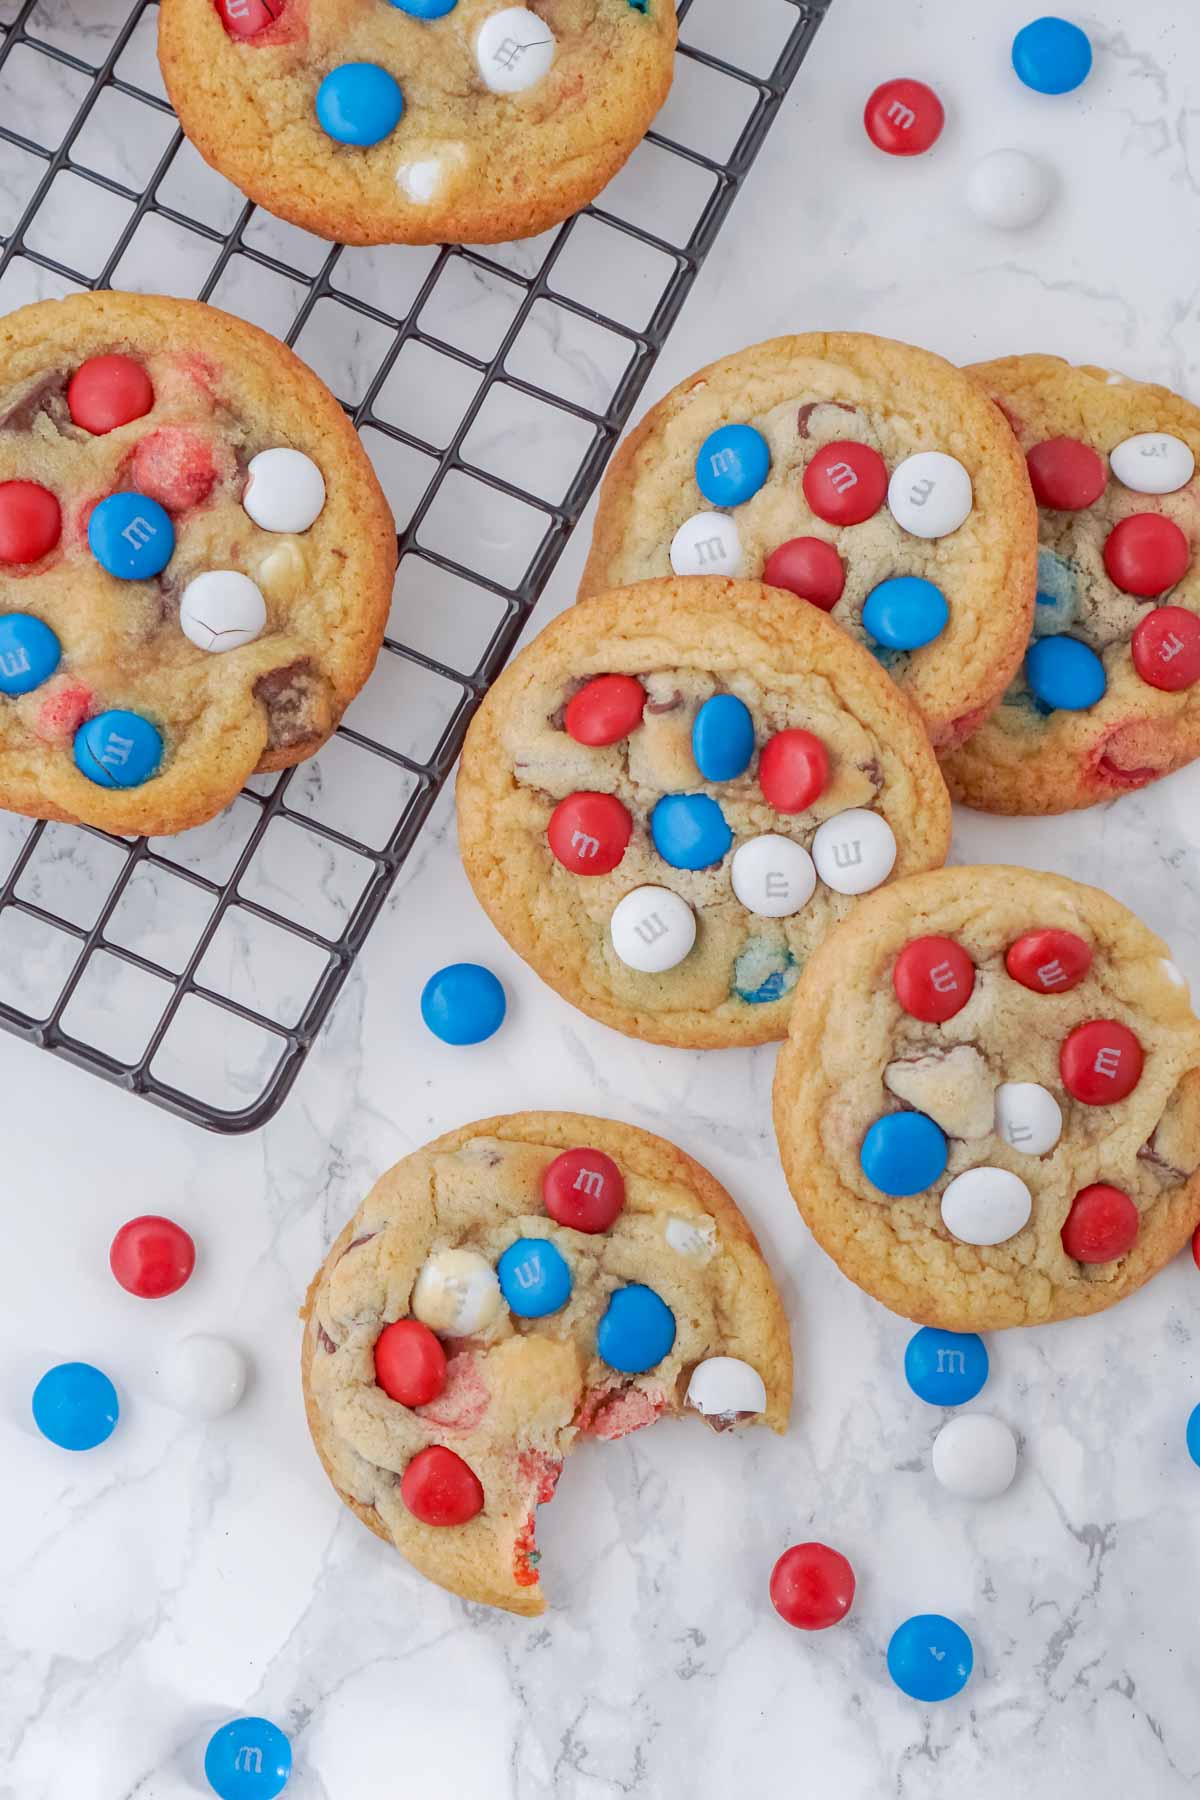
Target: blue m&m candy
(903, 1153)
(1193, 1434)
(723, 738)
(118, 749)
(905, 612)
(131, 536)
(689, 831)
(359, 103)
(732, 464)
(426, 9)
(248, 1759)
(637, 1330)
(930, 1657)
(29, 653)
(463, 1003)
(1052, 56)
(1065, 674)
(945, 1368)
(535, 1278)
(75, 1406)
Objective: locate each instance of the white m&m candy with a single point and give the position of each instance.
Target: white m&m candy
(854, 851)
(986, 1206)
(221, 610)
(1028, 1117)
(285, 490)
(772, 876)
(723, 1386)
(1152, 463)
(707, 544)
(929, 495)
(975, 1456)
(1009, 189)
(457, 1292)
(514, 50)
(204, 1376)
(652, 929)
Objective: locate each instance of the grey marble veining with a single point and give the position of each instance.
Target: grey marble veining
(184, 1573)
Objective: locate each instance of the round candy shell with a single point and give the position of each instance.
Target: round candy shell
(652, 929)
(514, 50)
(772, 876)
(929, 494)
(986, 1206)
(285, 490)
(221, 610)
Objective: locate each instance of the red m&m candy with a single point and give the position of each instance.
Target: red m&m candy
(246, 18)
(1166, 648)
(812, 1586)
(1101, 1062)
(1196, 1246)
(588, 833)
(584, 1190)
(808, 567)
(1066, 474)
(846, 482)
(1049, 961)
(107, 391)
(175, 467)
(793, 770)
(152, 1256)
(410, 1364)
(439, 1488)
(1146, 554)
(1101, 1225)
(30, 521)
(607, 709)
(904, 117)
(933, 978)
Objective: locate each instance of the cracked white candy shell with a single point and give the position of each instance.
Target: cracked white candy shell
(725, 1384)
(285, 490)
(221, 610)
(514, 50)
(457, 1292)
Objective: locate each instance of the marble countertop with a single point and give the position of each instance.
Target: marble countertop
(184, 1572)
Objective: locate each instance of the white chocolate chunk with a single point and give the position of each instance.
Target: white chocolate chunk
(694, 1238)
(954, 1087)
(457, 1293)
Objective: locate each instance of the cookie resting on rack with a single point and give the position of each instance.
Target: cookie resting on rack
(1108, 697)
(668, 799)
(417, 121)
(989, 1105)
(196, 561)
(511, 1289)
(872, 480)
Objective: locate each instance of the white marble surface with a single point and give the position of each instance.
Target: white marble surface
(184, 1573)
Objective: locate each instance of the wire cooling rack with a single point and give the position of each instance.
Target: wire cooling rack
(197, 970)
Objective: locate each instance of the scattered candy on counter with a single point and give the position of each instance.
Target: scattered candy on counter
(637, 1330)
(975, 1456)
(203, 1376)
(1193, 1434)
(359, 103)
(1052, 56)
(248, 1759)
(812, 1587)
(1009, 189)
(725, 1387)
(75, 1406)
(904, 117)
(930, 1657)
(535, 1278)
(463, 1003)
(151, 1256)
(945, 1368)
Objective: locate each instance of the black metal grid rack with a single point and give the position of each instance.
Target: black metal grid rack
(197, 971)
